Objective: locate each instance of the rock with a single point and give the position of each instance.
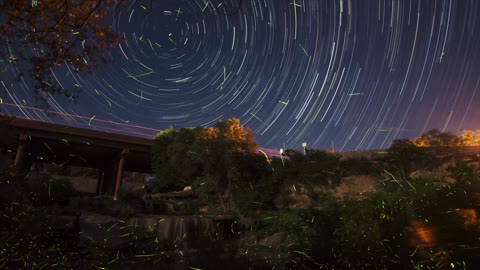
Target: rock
(276, 240)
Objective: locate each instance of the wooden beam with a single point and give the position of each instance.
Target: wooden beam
(21, 154)
(121, 162)
(46, 127)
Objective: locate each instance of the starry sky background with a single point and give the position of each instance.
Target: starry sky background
(356, 74)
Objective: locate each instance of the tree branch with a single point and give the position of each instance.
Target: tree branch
(99, 2)
(63, 16)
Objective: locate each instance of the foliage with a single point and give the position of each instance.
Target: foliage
(123, 209)
(28, 238)
(40, 35)
(370, 233)
(175, 157)
(184, 207)
(319, 167)
(283, 221)
(404, 157)
(166, 185)
(323, 157)
(129, 194)
(435, 138)
(258, 195)
(357, 166)
(43, 190)
(349, 235)
(206, 158)
(359, 237)
(10, 189)
(294, 155)
(7, 138)
(160, 158)
(206, 188)
(359, 234)
(261, 184)
(31, 236)
(470, 137)
(465, 175)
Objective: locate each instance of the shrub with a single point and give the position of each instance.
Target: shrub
(30, 236)
(184, 207)
(464, 174)
(318, 166)
(260, 194)
(9, 188)
(436, 138)
(129, 194)
(43, 190)
(363, 235)
(124, 210)
(284, 221)
(357, 166)
(165, 185)
(403, 157)
(205, 188)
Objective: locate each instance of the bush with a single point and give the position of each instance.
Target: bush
(165, 185)
(258, 195)
(184, 207)
(403, 157)
(9, 189)
(129, 194)
(366, 232)
(284, 221)
(206, 188)
(318, 166)
(357, 166)
(124, 210)
(32, 237)
(369, 233)
(464, 174)
(43, 190)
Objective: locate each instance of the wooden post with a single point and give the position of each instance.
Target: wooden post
(121, 162)
(21, 155)
(100, 181)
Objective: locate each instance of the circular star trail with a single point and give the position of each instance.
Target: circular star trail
(349, 74)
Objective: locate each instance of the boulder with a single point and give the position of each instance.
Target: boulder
(276, 240)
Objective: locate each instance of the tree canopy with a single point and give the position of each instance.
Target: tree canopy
(404, 157)
(39, 35)
(436, 138)
(470, 137)
(206, 157)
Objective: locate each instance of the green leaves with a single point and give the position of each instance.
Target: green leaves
(207, 157)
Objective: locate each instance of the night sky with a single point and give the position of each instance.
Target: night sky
(356, 74)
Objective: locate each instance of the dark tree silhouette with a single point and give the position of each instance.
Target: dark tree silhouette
(404, 156)
(209, 159)
(38, 35)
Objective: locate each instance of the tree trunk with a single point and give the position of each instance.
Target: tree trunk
(229, 192)
(222, 203)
